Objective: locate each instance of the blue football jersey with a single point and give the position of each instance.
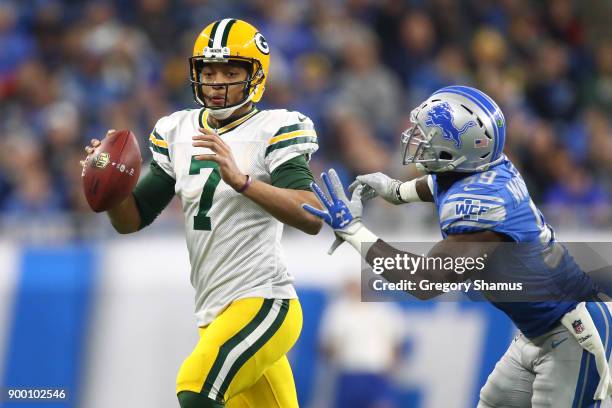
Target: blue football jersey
(498, 200)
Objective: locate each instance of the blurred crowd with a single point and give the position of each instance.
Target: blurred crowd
(70, 70)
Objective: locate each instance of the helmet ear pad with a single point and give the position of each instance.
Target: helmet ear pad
(255, 76)
(444, 155)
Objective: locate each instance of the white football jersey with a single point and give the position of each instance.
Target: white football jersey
(234, 245)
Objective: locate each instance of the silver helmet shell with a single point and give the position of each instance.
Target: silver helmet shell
(458, 128)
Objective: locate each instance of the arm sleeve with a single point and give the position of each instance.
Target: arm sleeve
(153, 193)
(293, 174)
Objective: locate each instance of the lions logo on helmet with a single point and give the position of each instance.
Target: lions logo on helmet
(457, 128)
(442, 116)
(231, 40)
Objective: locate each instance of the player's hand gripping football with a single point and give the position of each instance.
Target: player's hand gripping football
(342, 214)
(222, 155)
(91, 147)
(378, 184)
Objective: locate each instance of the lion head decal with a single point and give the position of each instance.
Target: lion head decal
(441, 115)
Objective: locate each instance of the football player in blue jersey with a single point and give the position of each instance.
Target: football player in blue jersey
(561, 358)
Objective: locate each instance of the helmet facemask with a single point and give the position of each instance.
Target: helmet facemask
(420, 148)
(254, 78)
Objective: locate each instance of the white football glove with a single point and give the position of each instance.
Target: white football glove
(378, 184)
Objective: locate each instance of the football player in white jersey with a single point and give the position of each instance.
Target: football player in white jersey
(240, 174)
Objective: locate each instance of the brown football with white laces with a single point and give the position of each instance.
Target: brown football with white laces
(112, 170)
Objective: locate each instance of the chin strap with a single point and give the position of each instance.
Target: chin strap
(224, 113)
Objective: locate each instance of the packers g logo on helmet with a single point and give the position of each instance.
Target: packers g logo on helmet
(231, 40)
(262, 44)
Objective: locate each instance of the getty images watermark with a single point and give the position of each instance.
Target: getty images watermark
(409, 265)
(500, 272)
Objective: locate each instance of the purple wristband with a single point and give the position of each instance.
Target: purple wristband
(246, 185)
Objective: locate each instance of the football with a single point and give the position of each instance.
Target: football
(112, 170)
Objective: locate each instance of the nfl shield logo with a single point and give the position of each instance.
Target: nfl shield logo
(102, 160)
(578, 327)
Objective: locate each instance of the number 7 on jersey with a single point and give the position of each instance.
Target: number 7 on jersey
(201, 221)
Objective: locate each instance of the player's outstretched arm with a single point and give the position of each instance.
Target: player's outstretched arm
(282, 203)
(344, 216)
(285, 205)
(394, 191)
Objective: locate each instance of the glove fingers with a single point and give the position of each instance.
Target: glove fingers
(320, 195)
(368, 193)
(353, 185)
(369, 179)
(317, 213)
(330, 187)
(363, 178)
(337, 184)
(357, 194)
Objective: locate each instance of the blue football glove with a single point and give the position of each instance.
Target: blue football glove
(340, 213)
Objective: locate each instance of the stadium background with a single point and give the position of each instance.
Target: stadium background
(110, 317)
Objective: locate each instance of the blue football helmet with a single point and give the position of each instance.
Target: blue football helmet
(457, 128)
